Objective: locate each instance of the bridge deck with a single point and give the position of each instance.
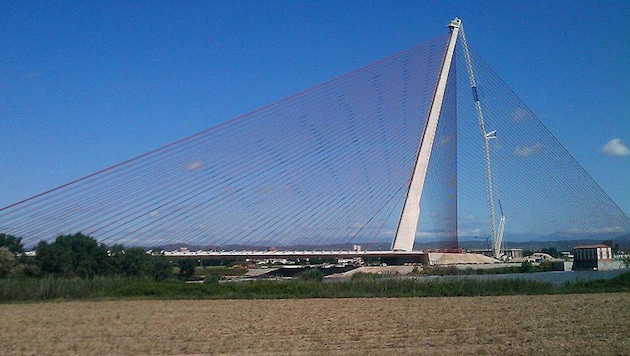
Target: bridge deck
(295, 254)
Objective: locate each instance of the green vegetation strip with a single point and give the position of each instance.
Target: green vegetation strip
(25, 289)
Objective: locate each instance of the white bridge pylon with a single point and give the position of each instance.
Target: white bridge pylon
(408, 222)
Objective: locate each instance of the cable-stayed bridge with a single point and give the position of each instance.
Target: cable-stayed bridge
(333, 166)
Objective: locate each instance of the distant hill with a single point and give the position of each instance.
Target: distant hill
(534, 245)
(560, 245)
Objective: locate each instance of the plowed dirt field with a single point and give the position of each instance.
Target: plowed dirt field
(589, 324)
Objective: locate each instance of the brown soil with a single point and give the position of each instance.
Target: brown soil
(460, 258)
(387, 270)
(591, 324)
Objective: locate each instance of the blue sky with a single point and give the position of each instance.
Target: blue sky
(84, 85)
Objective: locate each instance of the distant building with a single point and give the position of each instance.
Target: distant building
(514, 253)
(591, 256)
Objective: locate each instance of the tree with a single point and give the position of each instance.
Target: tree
(7, 261)
(75, 255)
(186, 267)
(135, 262)
(212, 278)
(116, 255)
(551, 251)
(129, 262)
(161, 268)
(12, 243)
(613, 246)
(312, 275)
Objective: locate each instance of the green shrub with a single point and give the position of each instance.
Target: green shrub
(545, 266)
(312, 275)
(186, 267)
(25, 271)
(362, 276)
(75, 255)
(7, 262)
(526, 267)
(211, 278)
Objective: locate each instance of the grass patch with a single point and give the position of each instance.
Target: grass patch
(525, 267)
(47, 288)
(620, 283)
(19, 290)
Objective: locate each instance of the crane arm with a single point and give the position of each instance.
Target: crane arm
(496, 236)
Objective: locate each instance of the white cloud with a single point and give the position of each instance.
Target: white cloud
(193, 165)
(616, 147)
(446, 140)
(520, 114)
(470, 233)
(527, 150)
(433, 234)
(357, 225)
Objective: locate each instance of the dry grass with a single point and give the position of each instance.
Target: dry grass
(557, 324)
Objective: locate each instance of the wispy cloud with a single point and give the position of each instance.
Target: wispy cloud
(520, 114)
(434, 234)
(527, 150)
(194, 165)
(616, 147)
(469, 233)
(446, 140)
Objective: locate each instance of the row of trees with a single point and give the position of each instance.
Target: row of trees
(81, 256)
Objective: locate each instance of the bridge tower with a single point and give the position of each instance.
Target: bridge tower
(408, 221)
